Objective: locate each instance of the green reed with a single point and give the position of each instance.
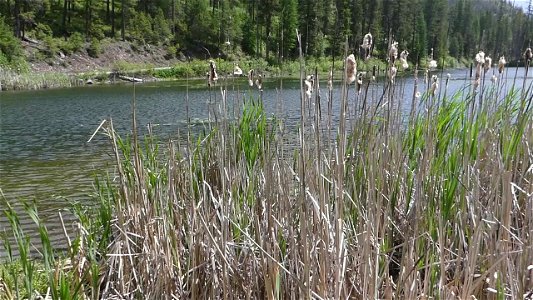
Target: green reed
(430, 203)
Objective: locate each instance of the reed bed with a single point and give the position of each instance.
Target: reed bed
(388, 204)
(12, 80)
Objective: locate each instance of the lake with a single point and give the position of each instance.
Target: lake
(45, 156)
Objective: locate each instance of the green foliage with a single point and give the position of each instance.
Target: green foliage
(95, 48)
(142, 29)
(252, 134)
(267, 29)
(52, 46)
(43, 31)
(74, 43)
(9, 45)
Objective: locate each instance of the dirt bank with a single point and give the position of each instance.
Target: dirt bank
(112, 54)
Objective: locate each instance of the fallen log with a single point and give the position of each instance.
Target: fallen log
(130, 79)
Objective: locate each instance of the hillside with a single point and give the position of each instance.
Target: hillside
(76, 36)
(112, 55)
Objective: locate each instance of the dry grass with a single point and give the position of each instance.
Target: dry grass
(434, 204)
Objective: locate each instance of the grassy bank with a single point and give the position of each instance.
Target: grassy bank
(13, 80)
(435, 202)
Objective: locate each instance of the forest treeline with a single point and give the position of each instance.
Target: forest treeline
(267, 28)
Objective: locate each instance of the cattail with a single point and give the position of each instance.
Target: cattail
(480, 57)
(434, 85)
(367, 44)
(237, 71)
(309, 82)
(501, 64)
(351, 68)
(480, 62)
(360, 76)
(528, 55)
(251, 77)
(259, 82)
(330, 80)
(213, 77)
(488, 63)
(393, 52)
(392, 73)
(403, 59)
(432, 63)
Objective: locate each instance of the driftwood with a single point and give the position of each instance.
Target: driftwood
(130, 79)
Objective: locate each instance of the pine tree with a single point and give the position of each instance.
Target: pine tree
(289, 24)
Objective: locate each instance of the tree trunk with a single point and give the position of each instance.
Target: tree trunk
(113, 18)
(17, 27)
(107, 16)
(123, 29)
(173, 17)
(64, 18)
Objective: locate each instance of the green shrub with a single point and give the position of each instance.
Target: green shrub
(74, 43)
(52, 46)
(95, 48)
(43, 31)
(9, 45)
(171, 52)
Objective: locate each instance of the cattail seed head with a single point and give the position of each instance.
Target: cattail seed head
(251, 77)
(488, 63)
(237, 71)
(309, 83)
(351, 68)
(392, 73)
(480, 57)
(259, 82)
(367, 45)
(360, 76)
(213, 77)
(528, 55)
(330, 80)
(434, 85)
(501, 64)
(367, 41)
(393, 52)
(403, 59)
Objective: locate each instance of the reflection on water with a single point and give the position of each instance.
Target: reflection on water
(45, 156)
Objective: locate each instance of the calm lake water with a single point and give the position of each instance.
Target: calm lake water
(45, 156)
